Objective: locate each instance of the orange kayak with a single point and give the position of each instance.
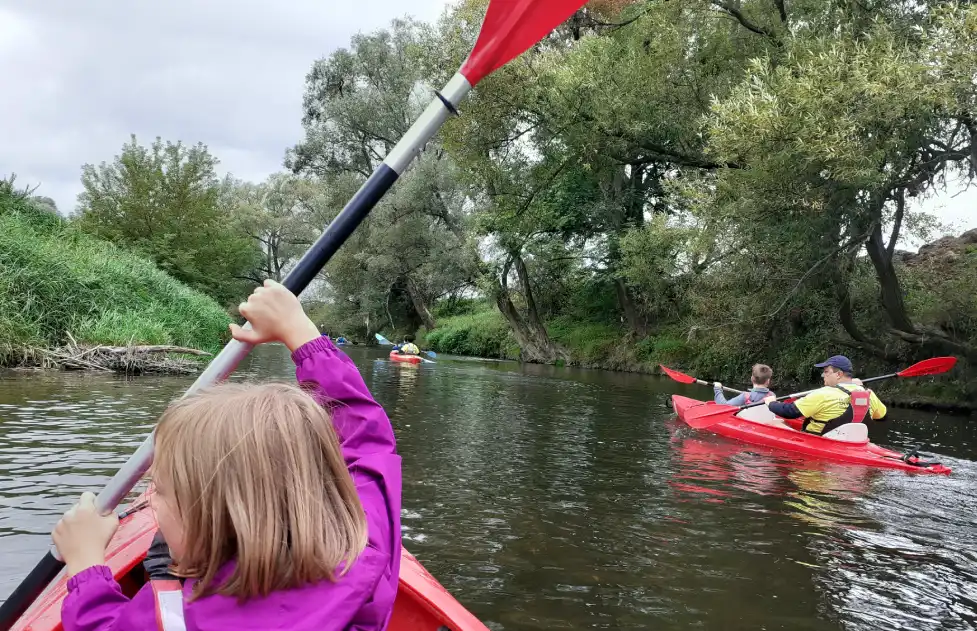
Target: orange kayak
(406, 359)
(422, 603)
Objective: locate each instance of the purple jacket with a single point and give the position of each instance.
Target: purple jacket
(362, 600)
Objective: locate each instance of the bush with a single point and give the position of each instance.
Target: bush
(54, 280)
(481, 334)
(588, 342)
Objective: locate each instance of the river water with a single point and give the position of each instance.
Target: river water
(548, 498)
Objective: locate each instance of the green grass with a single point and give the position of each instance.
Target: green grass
(55, 280)
(484, 333)
(588, 342)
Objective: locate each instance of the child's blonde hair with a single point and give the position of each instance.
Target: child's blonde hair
(257, 476)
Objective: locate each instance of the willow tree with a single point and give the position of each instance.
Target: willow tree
(413, 248)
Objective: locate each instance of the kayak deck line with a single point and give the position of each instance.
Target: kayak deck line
(783, 434)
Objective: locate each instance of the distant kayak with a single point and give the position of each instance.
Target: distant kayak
(404, 359)
(771, 431)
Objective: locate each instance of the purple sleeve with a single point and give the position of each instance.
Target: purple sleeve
(95, 602)
(367, 440)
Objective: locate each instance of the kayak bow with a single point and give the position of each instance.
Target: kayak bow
(406, 359)
(777, 433)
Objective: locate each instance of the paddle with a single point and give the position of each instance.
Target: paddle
(510, 28)
(933, 366)
(385, 342)
(684, 378)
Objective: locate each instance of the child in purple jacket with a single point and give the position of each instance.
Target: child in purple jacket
(274, 521)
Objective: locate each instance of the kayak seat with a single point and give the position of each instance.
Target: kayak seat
(849, 433)
(759, 414)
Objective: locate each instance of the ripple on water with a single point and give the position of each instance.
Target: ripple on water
(567, 499)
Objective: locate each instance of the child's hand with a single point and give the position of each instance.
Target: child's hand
(82, 535)
(275, 315)
(769, 399)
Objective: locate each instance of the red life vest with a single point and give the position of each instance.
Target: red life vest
(861, 403)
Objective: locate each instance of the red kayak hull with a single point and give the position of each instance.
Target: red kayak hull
(789, 439)
(422, 603)
(404, 359)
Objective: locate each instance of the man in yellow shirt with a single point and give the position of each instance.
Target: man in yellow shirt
(831, 407)
(408, 347)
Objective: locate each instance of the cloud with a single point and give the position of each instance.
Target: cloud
(80, 77)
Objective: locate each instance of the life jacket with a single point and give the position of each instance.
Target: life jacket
(859, 403)
(763, 395)
(168, 597)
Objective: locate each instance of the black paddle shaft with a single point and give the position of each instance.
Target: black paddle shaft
(788, 396)
(29, 589)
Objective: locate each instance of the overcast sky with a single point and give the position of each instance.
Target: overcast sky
(76, 78)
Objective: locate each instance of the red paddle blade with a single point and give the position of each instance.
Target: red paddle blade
(708, 415)
(676, 375)
(934, 366)
(510, 28)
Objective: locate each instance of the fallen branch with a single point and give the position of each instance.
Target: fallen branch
(132, 360)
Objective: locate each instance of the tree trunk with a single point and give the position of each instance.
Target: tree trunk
(531, 336)
(926, 338)
(532, 314)
(625, 197)
(420, 305)
(635, 322)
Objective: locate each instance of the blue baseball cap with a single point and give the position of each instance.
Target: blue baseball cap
(840, 362)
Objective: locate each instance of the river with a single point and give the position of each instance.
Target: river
(553, 498)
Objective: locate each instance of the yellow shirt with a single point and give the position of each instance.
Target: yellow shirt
(410, 349)
(828, 403)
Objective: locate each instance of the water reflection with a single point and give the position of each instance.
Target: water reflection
(547, 498)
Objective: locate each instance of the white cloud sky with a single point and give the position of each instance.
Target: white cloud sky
(79, 77)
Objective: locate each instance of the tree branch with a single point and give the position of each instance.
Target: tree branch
(738, 15)
(900, 212)
(782, 10)
(856, 242)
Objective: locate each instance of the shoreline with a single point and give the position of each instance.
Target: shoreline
(136, 363)
(908, 401)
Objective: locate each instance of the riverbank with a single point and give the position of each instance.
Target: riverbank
(59, 287)
(484, 333)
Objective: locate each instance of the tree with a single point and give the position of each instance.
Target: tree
(841, 138)
(280, 215)
(167, 202)
(413, 249)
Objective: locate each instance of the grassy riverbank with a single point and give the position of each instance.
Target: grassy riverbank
(483, 332)
(54, 280)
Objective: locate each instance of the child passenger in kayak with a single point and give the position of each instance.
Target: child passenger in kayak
(278, 513)
(760, 377)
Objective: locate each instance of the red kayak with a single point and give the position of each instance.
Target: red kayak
(405, 359)
(852, 446)
(422, 603)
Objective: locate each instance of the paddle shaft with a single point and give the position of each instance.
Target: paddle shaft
(312, 262)
(807, 392)
(726, 388)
